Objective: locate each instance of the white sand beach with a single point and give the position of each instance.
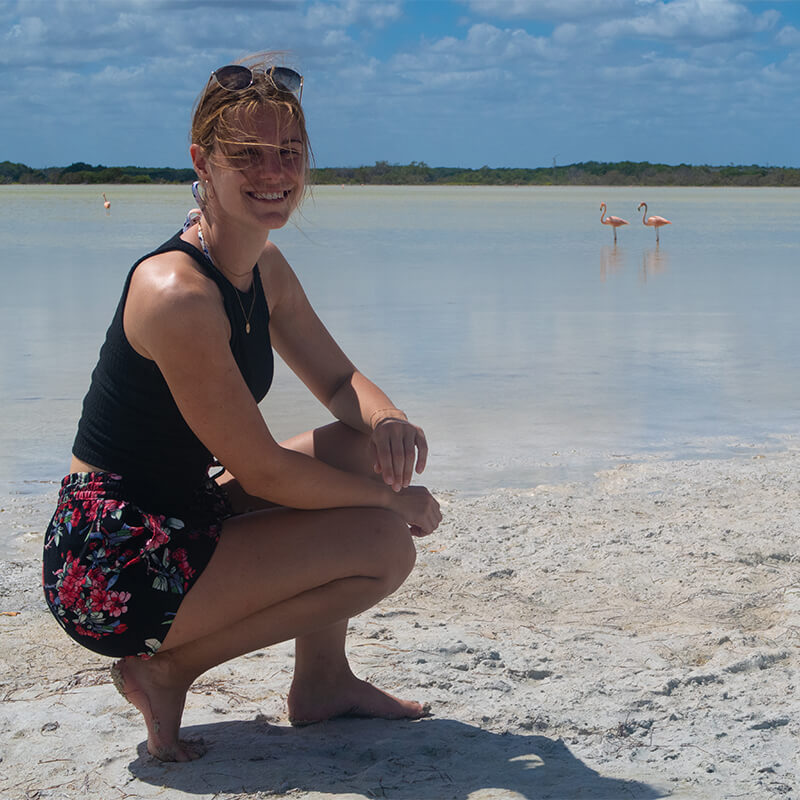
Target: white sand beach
(634, 636)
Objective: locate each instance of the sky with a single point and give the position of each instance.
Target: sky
(467, 83)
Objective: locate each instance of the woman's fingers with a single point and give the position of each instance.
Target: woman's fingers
(399, 447)
(419, 509)
(422, 451)
(404, 459)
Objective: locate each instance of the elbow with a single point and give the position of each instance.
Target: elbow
(272, 474)
(257, 483)
(344, 384)
(260, 477)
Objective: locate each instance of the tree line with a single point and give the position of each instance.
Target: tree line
(418, 173)
(86, 173)
(589, 173)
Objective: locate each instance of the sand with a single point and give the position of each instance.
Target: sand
(634, 636)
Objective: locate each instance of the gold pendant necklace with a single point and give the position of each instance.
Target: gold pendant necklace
(253, 287)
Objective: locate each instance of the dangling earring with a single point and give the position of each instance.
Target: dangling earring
(199, 193)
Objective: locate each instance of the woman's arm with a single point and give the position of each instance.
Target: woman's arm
(175, 316)
(307, 347)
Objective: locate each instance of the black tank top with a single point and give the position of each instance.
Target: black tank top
(130, 423)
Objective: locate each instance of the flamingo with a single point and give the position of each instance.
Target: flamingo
(653, 222)
(614, 221)
(106, 202)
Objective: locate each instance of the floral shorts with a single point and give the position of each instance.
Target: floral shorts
(115, 575)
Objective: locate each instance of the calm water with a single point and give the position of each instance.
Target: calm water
(503, 320)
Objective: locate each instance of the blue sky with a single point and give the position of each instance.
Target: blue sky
(448, 82)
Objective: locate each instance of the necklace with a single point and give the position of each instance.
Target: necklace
(248, 314)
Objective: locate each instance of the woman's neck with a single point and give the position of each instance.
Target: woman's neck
(233, 250)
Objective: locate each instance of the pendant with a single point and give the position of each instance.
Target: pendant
(247, 327)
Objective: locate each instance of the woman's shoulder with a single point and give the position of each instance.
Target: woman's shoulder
(277, 276)
(169, 290)
(173, 276)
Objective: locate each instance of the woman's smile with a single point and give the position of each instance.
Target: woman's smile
(278, 195)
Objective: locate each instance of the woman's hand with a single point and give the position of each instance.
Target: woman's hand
(418, 507)
(398, 448)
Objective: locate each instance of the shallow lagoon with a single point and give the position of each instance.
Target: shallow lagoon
(502, 319)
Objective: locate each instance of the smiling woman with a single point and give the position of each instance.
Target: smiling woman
(149, 559)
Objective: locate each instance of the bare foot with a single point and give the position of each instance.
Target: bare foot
(146, 684)
(316, 700)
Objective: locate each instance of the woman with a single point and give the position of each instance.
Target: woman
(149, 560)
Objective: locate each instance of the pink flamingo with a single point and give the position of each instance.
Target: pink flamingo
(653, 222)
(106, 201)
(614, 221)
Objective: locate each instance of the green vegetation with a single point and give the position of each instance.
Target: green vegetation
(590, 173)
(418, 173)
(85, 173)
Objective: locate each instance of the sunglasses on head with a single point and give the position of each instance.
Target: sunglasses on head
(236, 78)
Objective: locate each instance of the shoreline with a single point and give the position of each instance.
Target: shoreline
(633, 635)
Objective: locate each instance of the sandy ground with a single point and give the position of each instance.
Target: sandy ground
(632, 637)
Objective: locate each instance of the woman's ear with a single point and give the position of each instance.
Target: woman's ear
(199, 160)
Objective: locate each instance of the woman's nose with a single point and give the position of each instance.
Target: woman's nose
(269, 163)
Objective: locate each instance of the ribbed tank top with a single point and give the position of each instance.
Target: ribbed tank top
(130, 423)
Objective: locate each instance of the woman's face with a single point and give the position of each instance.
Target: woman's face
(261, 179)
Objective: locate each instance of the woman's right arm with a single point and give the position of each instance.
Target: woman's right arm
(175, 316)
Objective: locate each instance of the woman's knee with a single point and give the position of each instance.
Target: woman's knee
(396, 552)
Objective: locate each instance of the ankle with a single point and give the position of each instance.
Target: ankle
(316, 665)
(163, 669)
(322, 677)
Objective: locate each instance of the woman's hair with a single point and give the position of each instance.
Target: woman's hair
(219, 116)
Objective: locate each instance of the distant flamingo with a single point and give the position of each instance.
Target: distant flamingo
(106, 202)
(614, 221)
(653, 222)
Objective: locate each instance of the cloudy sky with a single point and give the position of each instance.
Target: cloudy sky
(448, 82)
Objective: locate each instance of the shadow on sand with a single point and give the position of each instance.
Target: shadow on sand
(425, 760)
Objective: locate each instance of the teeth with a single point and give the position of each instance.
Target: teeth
(269, 195)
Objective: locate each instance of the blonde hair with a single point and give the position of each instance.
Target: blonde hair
(219, 115)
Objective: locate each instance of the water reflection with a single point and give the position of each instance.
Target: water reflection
(654, 262)
(612, 260)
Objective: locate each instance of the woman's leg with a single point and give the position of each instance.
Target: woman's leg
(275, 575)
(320, 659)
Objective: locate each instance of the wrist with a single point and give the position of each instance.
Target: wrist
(388, 497)
(383, 414)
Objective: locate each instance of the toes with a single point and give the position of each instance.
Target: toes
(184, 750)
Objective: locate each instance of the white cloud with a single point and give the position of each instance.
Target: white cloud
(788, 36)
(566, 33)
(553, 10)
(28, 32)
(690, 21)
(377, 13)
(486, 43)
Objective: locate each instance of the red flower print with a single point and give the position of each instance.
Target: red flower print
(115, 603)
(79, 629)
(74, 517)
(160, 536)
(72, 583)
(98, 597)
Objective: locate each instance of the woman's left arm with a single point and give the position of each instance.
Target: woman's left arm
(300, 338)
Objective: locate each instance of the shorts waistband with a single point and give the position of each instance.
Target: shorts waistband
(89, 484)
